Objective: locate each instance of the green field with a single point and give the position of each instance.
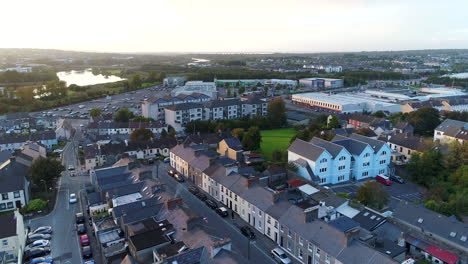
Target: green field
(275, 139)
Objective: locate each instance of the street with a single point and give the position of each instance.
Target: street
(64, 244)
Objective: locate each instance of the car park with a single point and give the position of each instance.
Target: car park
(42, 230)
(193, 189)
(73, 199)
(383, 179)
(397, 178)
(222, 211)
(84, 240)
(246, 231)
(35, 237)
(279, 255)
(79, 217)
(36, 252)
(86, 252)
(81, 229)
(201, 196)
(211, 204)
(40, 260)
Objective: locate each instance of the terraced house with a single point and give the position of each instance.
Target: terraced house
(344, 158)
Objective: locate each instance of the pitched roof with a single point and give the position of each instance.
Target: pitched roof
(13, 177)
(402, 139)
(142, 214)
(306, 149)
(443, 226)
(149, 239)
(448, 123)
(331, 147)
(44, 135)
(353, 146)
(369, 219)
(8, 225)
(375, 144)
(233, 143)
(184, 106)
(137, 205)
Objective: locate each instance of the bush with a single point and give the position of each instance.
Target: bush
(343, 195)
(34, 205)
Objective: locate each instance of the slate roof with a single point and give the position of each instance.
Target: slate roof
(13, 177)
(94, 198)
(447, 123)
(137, 205)
(125, 190)
(402, 125)
(369, 220)
(5, 155)
(344, 224)
(149, 239)
(375, 144)
(115, 125)
(193, 256)
(295, 116)
(432, 222)
(8, 225)
(353, 146)
(306, 149)
(402, 139)
(184, 106)
(331, 147)
(233, 143)
(44, 135)
(142, 214)
(109, 172)
(222, 103)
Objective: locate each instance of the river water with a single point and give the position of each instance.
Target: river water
(86, 77)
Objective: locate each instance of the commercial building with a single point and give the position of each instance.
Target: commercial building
(344, 103)
(17, 69)
(253, 82)
(173, 81)
(206, 88)
(318, 83)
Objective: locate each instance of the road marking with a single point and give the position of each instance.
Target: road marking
(68, 197)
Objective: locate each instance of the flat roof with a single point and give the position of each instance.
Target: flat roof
(129, 198)
(308, 189)
(344, 98)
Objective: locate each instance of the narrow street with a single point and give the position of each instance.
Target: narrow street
(65, 246)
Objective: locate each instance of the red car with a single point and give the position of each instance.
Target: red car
(384, 180)
(84, 240)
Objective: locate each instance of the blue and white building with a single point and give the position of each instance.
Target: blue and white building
(345, 158)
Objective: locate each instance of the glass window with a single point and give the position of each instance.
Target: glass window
(301, 241)
(289, 233)
(4, 196)
(300, 254)
(5, 242)
(289, 245)
(317, 251)
(2, 206)
(310, 247)
(10, 204)
(16, 194)
(327, 259)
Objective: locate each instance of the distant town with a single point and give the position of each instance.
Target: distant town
(320, 158)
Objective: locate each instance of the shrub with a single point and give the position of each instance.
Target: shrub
(34, 205)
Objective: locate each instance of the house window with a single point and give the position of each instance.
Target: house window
(323, 180)
(383, 153)
(289, 233)
(2, 206)
(10, 204)
(323, 160)
(16, 194)
(281, 227)
(310, 247)
(365, 164)
(269, 220)
(341, 178)
(364, 174)
(4, 196)
(383, 161)
(323, 169)
(367, 155)
(342, 158)
(300, 254)
(289, 245)
(5, 242)
(276, 224)
(317, 252)
(260, 213)
(342, 167)
(381, 171)
(327, 259)
(243, 212)
(301, 241)
(268, 231)
(409, 151)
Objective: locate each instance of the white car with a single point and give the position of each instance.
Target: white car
(38, 243)
(279, 255)
(73, 198)
(71, 167)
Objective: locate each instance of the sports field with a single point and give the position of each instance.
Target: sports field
(275, 139)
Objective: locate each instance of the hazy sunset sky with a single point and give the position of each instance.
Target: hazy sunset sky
(234, 25)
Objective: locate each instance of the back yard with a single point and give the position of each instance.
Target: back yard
(275, 139)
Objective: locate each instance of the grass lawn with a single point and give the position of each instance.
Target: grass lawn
(275, 139)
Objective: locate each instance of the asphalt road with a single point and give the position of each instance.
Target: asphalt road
(65, 246)
(259, 249)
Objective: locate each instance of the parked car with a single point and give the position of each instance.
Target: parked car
(84, 240)
(222, 211)
(86, 252)
(167, 160)
(193, 189)
(211, 204)
(35, 237)
(81, 229)
(201, 196)
(71, 167)
(40, 260)
(171, 173)
(383, 179)
(38, 244)
(42, 230)
(90, 262)
(36, 252)
(79, 217)
(279, 255)
(397, 178)
(246, 231)
(73, 199)
(179, 177)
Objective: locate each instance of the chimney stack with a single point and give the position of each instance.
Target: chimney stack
(174, 202)
(251, 182)
(310, 214)
(351, 236)
(401, 240)
(216, 246)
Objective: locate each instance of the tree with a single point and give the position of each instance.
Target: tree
(427, 168)
(241, 90)
(372, 194)
(424, 120)
(123, 115)
(141, 134)
(26, 93)
(277, 112)
(277, 155)
(252, 139)
(45, 170)
(95, 112)
(379, 114)
(238, 133)
(136, 82)
(152, 77)
(142, 119)
(163, 133)
(334, 122)
(172, 132)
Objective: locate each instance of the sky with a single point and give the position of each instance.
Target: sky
(234, 25)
